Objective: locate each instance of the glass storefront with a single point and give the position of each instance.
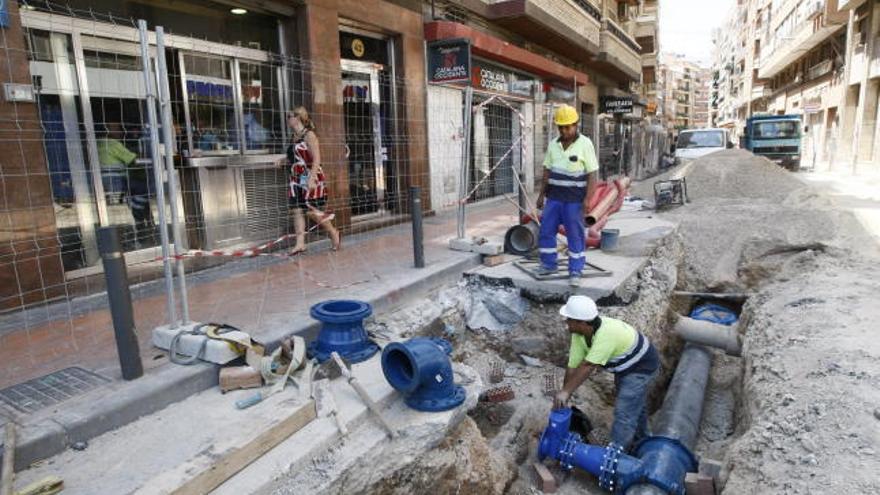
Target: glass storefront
(227, 103)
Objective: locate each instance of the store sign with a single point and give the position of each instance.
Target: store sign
(490, 79)
(617, 104)
(449, 61)
(813, 105)
(557, 93)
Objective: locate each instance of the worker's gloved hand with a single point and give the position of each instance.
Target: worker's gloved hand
(539, 203)
(561, 399)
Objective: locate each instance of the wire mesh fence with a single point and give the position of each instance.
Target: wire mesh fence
(276, 181)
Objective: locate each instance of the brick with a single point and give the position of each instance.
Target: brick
(544, 479)
(236, 377)
(698, 484)
(494, 259)
(710, 468)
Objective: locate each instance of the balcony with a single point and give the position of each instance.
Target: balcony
(649, 59)
(565, 26)
(824, 20)
(822, 68)
(619, 52)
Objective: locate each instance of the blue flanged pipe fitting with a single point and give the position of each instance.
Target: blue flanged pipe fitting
(342, 331)
(420, 370)
(661, 461)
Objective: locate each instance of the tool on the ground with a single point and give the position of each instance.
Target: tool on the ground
(324, 397)
(502, 393)
(670, 192)
(239, 377)
(7, 483)
(346, 372)
(50, 485)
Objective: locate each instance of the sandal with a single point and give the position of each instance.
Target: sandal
(297, 251)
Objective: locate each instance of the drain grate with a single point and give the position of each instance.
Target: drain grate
(45, 391)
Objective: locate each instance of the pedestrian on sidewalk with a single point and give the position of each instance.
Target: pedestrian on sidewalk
(570, 174)
(307, 190)
(609, 343)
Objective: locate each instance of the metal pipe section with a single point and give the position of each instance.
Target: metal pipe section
(418, 232)
(679, 417)
(711, 334)
(660, 462)
(119, 296)
(149, 87)
(465, 159)
(168, 139)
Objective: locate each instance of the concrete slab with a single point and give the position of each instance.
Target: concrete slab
(640, 233)
(213, 351)
(207, 424)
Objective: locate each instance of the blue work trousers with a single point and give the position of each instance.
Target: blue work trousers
(571, 216)
(630, 410)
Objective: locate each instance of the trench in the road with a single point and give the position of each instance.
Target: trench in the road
(532, 355)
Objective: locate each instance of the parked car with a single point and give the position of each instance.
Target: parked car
(694, 143)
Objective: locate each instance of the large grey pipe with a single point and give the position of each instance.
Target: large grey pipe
(702, 332)
(682, 409)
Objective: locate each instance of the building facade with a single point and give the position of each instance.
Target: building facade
(818, 59)
(686, 88)
(76, 101)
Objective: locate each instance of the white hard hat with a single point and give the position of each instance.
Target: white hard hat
(579, 308)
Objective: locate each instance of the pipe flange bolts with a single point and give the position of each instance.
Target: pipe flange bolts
(420, 369)
(342, 331)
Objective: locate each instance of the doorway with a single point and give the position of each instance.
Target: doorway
(363, 136)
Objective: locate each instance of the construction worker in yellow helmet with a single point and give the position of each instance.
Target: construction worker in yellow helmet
(570, 174)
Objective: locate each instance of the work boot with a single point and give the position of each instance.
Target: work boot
(543, 271)
(574, 280)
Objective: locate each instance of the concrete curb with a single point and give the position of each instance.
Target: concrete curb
(120, 403)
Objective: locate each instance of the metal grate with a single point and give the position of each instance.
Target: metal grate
(266, 202)
(45, 391)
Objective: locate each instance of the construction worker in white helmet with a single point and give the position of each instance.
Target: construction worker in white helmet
(570, 174)
(604, 342)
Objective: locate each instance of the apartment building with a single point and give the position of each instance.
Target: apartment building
(816, 58)
(686, 92)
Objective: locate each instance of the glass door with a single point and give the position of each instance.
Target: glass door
(363, 136)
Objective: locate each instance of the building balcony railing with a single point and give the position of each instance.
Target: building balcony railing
(565, 26)
(813, 29)
(620, 50)
(820, 69)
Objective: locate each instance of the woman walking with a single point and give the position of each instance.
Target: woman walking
(307, 189)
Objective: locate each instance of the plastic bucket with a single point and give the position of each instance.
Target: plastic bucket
(608, 241)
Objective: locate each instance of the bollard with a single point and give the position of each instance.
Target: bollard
(110, 248)
(415, 207)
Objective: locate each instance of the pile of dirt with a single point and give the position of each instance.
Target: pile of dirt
(807, 418)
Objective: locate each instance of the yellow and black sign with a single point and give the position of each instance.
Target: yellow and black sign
(357, 47)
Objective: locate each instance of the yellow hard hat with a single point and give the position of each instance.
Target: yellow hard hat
(566, 115)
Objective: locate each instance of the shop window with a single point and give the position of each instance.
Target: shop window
(209, 88)
(261, 116)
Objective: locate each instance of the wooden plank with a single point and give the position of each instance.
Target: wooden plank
(50, 485)
(8, 461)
(206, 472)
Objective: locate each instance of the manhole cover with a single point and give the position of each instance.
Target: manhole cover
(42, 392)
